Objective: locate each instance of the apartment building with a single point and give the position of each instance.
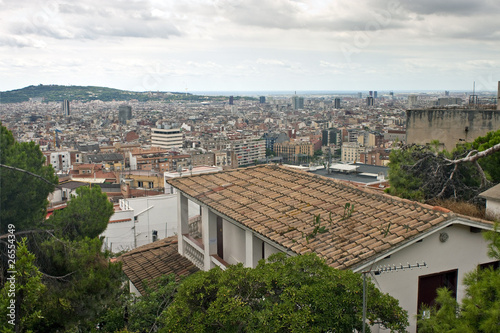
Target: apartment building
(167, 138)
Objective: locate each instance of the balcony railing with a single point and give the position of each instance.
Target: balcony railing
(195, 226)
(194, 251)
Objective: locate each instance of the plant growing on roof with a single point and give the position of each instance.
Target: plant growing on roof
(385, 231)
(348, 210)
(318, 229)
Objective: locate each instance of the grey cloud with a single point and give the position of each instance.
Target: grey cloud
(287, 15)
(270, 14)
(15, 42)
(91, 20)
(452, 7)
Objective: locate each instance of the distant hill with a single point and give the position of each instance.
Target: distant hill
(56, 93)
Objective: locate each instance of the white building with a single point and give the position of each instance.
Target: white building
(248, 214)
(492, 197)
(167, 138)
(60, 161)
(140, 221)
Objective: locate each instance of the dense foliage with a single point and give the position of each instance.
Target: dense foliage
(65, 281)
(424, 172)
(88, 216)
(23, 198)
(491, 163)
(296, 294)
(29, 291)
(479, 310)
(144, 313)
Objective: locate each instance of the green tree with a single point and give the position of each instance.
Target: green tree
(82, 284)
(81, 281)
(424, 172)
(294, 294)
(143, 313)
(479, 310)
(86, 215)
(23, 198)
(28, 293)
(491, 163)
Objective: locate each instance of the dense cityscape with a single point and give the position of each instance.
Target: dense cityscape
(249, 166)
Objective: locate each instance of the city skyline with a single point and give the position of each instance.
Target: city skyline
(227, 45)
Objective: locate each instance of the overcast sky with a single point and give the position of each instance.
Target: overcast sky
(242, 45)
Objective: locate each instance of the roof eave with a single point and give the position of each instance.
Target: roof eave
(361, 267)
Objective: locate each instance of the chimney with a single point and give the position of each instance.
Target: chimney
(498, 97)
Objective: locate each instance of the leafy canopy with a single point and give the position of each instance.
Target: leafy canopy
(294, 294)
(86, 215)
(29, 294)
(424, 172)
(23, 198)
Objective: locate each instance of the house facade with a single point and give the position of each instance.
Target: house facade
(249, 214)
(144, 220)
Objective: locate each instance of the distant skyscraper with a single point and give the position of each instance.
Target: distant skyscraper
(369, 101)
(370, 93)
(375, 94)
(262, 99)
(65, 107)
(124, 113)
(231, 100)
(360, 95)
(337, 103)
(391, 94)
(297, 102)
(447, 93)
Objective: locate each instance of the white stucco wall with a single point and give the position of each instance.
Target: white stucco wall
(463, 251)
(269, 249)
(257, 250)
(234, 243)
(493, 209)
(161, 216)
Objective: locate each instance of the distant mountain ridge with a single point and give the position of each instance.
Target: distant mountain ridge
(55, 93)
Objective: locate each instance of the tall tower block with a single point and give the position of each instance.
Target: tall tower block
(65, 107)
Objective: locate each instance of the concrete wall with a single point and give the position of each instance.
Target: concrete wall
(161, 216)
(463, 251)
(449, 125)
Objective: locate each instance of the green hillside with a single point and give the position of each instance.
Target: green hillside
(56, 93)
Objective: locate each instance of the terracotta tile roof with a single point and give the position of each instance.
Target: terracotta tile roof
(153, 260)
(281, 204)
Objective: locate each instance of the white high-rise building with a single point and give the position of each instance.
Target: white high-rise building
(167, 138)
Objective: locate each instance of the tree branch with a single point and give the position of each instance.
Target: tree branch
(445, 186)
(29, 173)
(473, 158)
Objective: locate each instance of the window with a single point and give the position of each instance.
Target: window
(428, 285)
(140, 184)
(151, 185)
(493, 264)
